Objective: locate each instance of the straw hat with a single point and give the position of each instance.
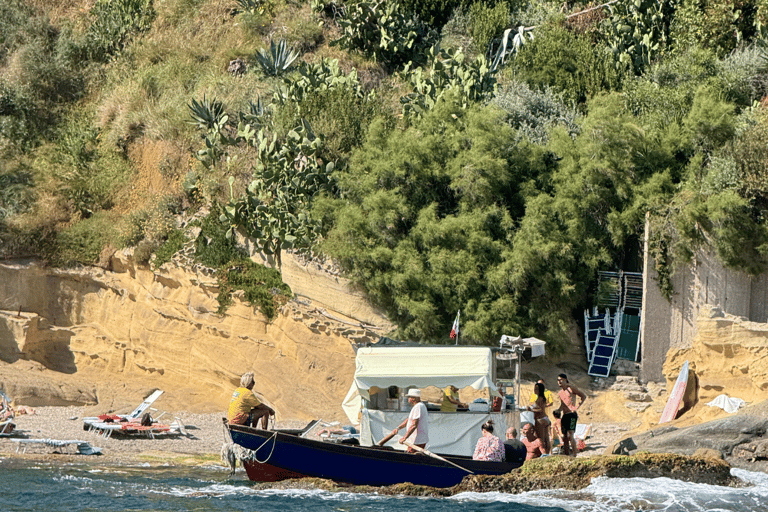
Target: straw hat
(415, 393)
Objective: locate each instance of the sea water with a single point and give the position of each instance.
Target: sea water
(26, 485)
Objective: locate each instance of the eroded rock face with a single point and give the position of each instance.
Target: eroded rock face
(134, 329)
(728, 355)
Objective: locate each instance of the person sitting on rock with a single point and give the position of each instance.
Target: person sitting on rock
(245, 408)
(531, 441)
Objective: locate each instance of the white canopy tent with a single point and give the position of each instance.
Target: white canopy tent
(424, 366)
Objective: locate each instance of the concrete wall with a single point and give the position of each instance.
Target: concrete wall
(666, 324)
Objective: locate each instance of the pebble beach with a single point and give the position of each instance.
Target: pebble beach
(205, 436)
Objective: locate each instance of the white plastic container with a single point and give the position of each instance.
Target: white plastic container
(527, 417)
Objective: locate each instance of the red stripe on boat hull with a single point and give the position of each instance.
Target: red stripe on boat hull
(268, 473)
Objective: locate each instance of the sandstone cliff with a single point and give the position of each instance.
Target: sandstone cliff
(108, 338)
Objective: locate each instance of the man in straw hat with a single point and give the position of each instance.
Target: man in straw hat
(417, 432)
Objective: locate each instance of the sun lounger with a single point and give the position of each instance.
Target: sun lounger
(133, 416)
(582, 431)
(130, 424)
(83, 448)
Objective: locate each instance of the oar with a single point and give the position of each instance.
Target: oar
(384, 441)
(427, 452)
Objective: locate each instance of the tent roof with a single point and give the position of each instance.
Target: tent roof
(440, 366)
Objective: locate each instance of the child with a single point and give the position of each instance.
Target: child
(557, 431)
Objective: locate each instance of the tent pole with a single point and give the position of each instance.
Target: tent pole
(517, 386)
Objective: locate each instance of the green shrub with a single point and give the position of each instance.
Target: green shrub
(382, 31)
(488, 22)
(568, 63)
(664, 94)
(338, 113)
(212, 246)
(174, 243)
(743, 73)
(434, 12)
(263, 287)
(717, 26)
(153, 224)
(16, 191)
(83, 242)
(113, 23)
(534, 113)
(89, 176)
(44, 75)
(457, 31)
(304, 34)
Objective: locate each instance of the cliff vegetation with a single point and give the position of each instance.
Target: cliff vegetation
(446, 154)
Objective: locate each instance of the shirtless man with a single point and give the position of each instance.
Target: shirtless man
(568, 393)
(531, 441)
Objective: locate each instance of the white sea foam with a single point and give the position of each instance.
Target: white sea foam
(663, 494)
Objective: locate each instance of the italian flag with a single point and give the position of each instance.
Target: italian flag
(455, 328)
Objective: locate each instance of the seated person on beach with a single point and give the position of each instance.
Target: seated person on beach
(489, 446)
(451, 400)
(557, 430)
(245, 408)
(531, 442)
(514, 449)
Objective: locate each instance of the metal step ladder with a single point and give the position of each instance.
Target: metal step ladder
(594, 324)
(605, 349)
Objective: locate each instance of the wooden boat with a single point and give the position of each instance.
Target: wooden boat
(283, 454)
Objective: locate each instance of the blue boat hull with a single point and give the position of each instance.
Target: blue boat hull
(280, 453)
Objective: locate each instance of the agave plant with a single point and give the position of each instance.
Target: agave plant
(278, 59)
(257, 114)
(208, 115)
(252, 6)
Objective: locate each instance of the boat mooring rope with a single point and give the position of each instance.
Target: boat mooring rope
(272, 438)
(231, 452)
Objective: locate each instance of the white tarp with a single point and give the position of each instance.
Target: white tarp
(726, 403)
(352, 404)
(449, 433)
(424, 366)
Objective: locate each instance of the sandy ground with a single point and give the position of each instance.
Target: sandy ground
(203, 443)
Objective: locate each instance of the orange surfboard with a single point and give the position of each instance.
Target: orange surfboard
(673, 403)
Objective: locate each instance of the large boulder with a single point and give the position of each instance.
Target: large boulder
(739, 435)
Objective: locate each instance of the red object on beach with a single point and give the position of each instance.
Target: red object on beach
(673, 403)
